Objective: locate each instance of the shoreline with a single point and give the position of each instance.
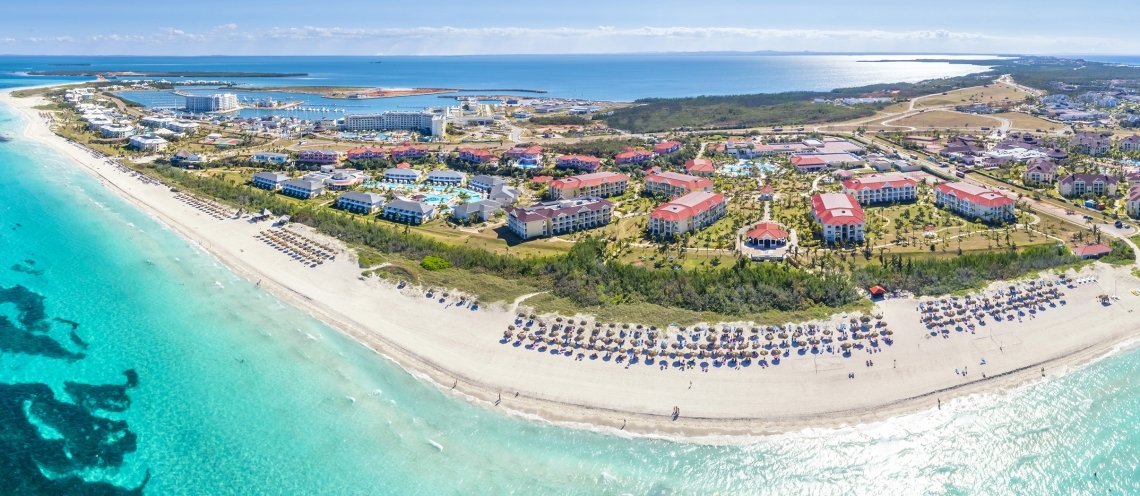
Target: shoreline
(802, 393)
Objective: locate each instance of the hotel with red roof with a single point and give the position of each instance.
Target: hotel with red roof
(600, 184)
(579, 162)
(688, 213)
(808, 163)
(700, 167)
(974, 202)
(559, 217)
(674, 184)
(477, 155)
(880, 188)
(531, 155)
(409, 151)
(631, 156)
(667, 147)
(840, 215)
(367, 153)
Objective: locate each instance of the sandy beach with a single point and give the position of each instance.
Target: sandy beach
(449, 345)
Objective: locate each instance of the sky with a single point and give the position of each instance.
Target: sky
(443, 27)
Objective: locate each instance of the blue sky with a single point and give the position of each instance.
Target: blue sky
(440, 27)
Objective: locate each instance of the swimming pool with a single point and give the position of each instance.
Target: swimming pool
(744, 168)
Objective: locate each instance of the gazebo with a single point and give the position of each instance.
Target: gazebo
(767, 235)
(877, 291)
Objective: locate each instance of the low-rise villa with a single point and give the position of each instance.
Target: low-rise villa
(1040, 171)
(367, 154)
(269, 180)
(674, 184)
(401, 176)
(270, 157)
(477, 155)
(481, 210)
(409, 211)
(579, 162)
(667, 147)
(355, 201)
(446, 177)
(633, 156)
(700, 167)
(303, 188)
(148, 143)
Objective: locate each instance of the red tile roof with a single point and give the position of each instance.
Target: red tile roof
(808, 160)
(700, 165)
(587, 180)
(679, 180)
(687, 206)
(403, 165)
(974, 194)
(837, 209)
(541, 179)
(771, 230)
(666, 147)
(879, 181)
(1093, 250)
(631, 155)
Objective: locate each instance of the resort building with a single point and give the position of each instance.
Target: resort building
(477, 155)
(484, 182)
(408, 211)
(446, 177)
(182, 126)
(767, 235)
(840, 215)
(148, 143)
(270, 157)
(579, 162)
(807, 163)
(269, 180)
(415, 120)
(528, 156)
(700, 167)
(1092, 251)
(401, 176)
(111, 131)
(367, 154)
(338, 178)
(882, 188)
(1131, 143)
(599, 184)
(1089, 143)
(219, 102)
(303, 188)
(667, 147)
(689, 213)
(673, 184)
(632, 156)
(319, 157)
(355, 201)
(559, 217)
(481, 211)
(1078, 185)
(974, 202)
(1040, 171)
(1132, 204)
(407, 151)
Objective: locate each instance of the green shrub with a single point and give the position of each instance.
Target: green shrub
(432, 262)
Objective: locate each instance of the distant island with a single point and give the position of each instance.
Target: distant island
(166, 74)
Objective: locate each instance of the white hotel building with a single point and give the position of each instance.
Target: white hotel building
(424, 121)
(218, 102)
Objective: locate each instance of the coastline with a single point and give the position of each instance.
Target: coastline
(799, 394)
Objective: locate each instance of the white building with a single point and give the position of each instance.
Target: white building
(424, 121)
(218, 102)
(148, 143)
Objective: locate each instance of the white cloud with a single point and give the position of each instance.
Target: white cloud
(446, 40)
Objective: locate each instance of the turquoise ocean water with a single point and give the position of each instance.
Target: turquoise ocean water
(140, 356)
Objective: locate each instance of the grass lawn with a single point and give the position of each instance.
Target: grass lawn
(941, 119)
(978, 94)
(1028, 122)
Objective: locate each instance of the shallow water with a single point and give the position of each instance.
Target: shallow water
(239, 394)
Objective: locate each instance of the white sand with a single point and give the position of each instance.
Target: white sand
(458, 344)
